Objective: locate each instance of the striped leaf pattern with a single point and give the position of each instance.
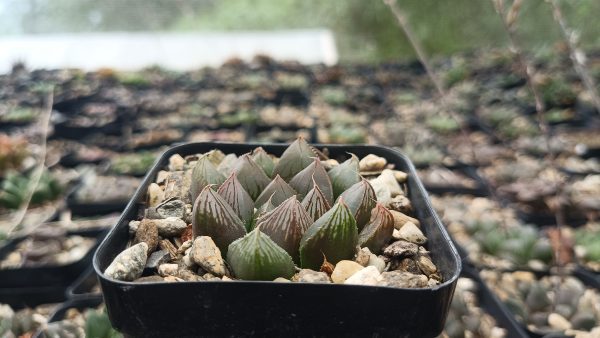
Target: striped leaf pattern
(278, 191)
(315, 203)
(378, 232)
(361, 200)
(344, 175)
(303, 181)
(232, 191)
(251, 176)
(295, 158)
(203, 174)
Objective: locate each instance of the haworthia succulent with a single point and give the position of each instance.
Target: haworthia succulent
(203, 174)
(361, 199)
(263, 209)
(215, 156)
(378, 231)
(263, 160)
(315, 203)
(295, 158)
(213, 216)
(257, 257)
(286, 224)
(344, 175)
(278, 191)
(232, 191)
(303, 181)
(334, 236)
(227, 164)
(251, 176)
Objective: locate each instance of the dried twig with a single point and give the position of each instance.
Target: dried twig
(509, 23)
(577, 56)
(39, 169)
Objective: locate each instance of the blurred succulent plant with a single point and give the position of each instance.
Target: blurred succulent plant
(442, 124)
(335, 96)
(15, 187)
(267, 226)
(132, 164)
(13, 151)
(20, 115)
(587, 241)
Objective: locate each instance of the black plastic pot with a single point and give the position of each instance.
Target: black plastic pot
(46, 276)
(480, 190)
(242, 308)
(493, 306)
(587, 276)
(92, 209)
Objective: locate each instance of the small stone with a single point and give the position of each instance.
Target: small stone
(382, 192)
(362, 256)
(147, 233)
(406, 264)
(129, 264)
(205, 253)
(377, 262)
(155, 195)
(388, 179)
(176, 162)
(330, 164)
(165, 244)
(400, 203)
(426, 265)
(343, 270)
(172, 279)
(188, 275)
(210, 276)
(396, 234)
(403, 279)
(400, 176)
(558, 322)
(226, 279)
(185, 246)
(367, 276)
(161, 176)
(282, 280)
(401, 248)
(400, 219)
(149, 279)
(167, 269)
(188, 213)
(170, 227)
(372, 163)
(171, 208)
(411, 233)
(311, 276)
(157, 258)
(133, 226)
(431, 282)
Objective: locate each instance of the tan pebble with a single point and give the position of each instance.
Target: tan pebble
(147, 232)
(426, 265)
(388, 179)
(377, 262)
(155, 195)
(400, 176)
(372, 163)
(343, 270)
(206, 254)
(161, 176)
(282, 280)
(558, 322)
(167, 269)
(362, 256)
(367, 276)
(172, 279)
(225, 278)
(411, 233)
(400, 219)
(176, 162)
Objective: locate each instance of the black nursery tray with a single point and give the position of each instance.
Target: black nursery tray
(83, 286)
(241, 308)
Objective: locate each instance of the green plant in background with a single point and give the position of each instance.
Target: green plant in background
(335, 96)
(132, 164)
(15, 187)
(519, 126)
(305, 214)
(557, 92)
(97, 325)
(252, 81)
(241, 116)
(442, 124)
(20, 114)
(500, 115)
(349, 134)
(290, 81)
(456, 74)
(133, 79)
(423, 155)
(587, 242)
(556, 115)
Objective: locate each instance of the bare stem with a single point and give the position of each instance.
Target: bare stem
(577, 56)
(39, 169)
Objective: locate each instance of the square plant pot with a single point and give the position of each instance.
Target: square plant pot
(241, 308)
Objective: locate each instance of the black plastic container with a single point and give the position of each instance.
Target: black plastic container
(60, 276)
(83, 286)
(242, 308)
(587, 276)
(493, 306)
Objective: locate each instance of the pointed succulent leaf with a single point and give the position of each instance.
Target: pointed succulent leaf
(278, 190)
(286, 224)
(295, 158)
(232, 191)
(257, 257)
(251, 176)
(203, 174)
(361, 199)
(334, 235)
(315, 203)
(262, 210)
(344, 175)
(378, 231)
(227, 163)
(215, 156)
(213, 216)
(263, 160)
(315, 172)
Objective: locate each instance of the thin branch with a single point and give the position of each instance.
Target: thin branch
(577, 56)
(39, 169)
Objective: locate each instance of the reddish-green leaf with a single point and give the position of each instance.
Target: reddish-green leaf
(303, 181)
(378, 231)
(251, 176)
(344, 175)
(361, 199)
(295, 158)
(278, 191)
(232, 191)
(203, 174)
(315, 203)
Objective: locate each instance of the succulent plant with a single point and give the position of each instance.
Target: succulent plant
(266, 227)
(132, 164)
(13, 151)
(98, 325)
(15, 188)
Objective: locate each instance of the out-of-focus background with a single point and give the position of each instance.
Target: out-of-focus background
(92, 92)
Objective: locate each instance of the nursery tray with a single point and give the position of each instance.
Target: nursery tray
(480, 190)
(242, 308)
(493, 306)
(83, 285)
(60, 276)
(60, 313)
(23, 297)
